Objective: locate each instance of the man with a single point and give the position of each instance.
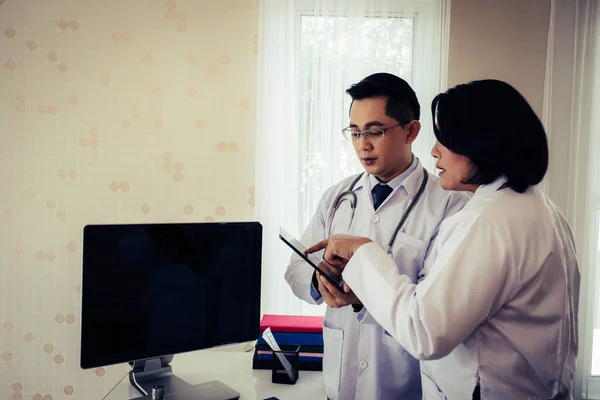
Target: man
(361, 360)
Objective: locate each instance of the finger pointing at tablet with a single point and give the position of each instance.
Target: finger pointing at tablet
(339, 248)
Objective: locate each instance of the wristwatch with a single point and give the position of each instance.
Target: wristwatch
(357, 307)
(315, 282)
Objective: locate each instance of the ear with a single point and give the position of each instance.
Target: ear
(414, 127)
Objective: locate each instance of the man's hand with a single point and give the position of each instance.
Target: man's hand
(338, 249)
(333, 298)
(331, 270)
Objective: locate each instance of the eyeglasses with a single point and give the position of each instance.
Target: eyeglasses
(373, 134)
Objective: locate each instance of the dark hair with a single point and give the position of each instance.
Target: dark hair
(402, 103)
(493, 125)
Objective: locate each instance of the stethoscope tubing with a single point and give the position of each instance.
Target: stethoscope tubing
(354, 200)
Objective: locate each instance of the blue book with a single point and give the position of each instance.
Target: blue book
(308, 339)
(269, 357)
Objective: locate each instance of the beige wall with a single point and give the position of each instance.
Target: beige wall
(133, 111)
(112, 111)
(500, 39)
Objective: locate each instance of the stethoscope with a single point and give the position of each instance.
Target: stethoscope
(342, 197)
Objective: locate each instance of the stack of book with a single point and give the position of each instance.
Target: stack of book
(294, 330)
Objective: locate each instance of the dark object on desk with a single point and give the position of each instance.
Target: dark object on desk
(279, 372)
(302, 365)
(150, 291)
(213, 390)
(272, 398)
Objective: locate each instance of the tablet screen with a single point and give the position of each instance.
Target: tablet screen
(311, 259)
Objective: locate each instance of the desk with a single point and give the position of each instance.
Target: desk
(235, 370)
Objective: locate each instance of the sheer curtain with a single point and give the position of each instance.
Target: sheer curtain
(571, 104)
(310, 52)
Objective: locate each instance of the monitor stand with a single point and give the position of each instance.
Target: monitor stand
(145, 374)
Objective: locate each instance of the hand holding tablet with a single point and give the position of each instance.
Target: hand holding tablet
(333, 277)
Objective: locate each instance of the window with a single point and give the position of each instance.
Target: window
(336, 52)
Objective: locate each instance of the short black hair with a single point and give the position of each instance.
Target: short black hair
(493, 125)
(402, 103)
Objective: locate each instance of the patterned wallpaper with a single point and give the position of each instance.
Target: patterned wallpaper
(112, 111)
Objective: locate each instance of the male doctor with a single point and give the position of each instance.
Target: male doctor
(361, 360)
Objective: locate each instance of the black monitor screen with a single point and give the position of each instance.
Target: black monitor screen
(157, 289)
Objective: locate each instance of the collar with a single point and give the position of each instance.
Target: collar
(497, 185)
(413, 182)
(399, 180)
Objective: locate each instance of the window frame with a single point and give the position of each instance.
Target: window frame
(415, 10)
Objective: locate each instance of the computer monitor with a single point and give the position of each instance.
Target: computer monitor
(150, 291)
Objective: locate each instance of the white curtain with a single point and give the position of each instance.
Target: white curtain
(276, 150)
(572, 118)
(310, 52)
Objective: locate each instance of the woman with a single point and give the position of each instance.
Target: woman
(496, 315)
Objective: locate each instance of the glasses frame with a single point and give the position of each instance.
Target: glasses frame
(348, 133)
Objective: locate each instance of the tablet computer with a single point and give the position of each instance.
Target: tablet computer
(311, 259)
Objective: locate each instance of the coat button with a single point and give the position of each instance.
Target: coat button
(375, 218)
(363, 364)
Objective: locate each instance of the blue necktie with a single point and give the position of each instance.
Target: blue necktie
(380, 192)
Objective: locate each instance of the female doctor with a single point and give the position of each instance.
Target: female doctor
(496, 315)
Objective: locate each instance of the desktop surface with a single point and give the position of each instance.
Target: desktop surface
(234, 369)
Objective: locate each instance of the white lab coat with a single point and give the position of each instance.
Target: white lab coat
(362, 361)
(498, 306)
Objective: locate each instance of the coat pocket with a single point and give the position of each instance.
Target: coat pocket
(411, 241)
(388, 341)
(332, 359)
(398, 370)
(431, 391)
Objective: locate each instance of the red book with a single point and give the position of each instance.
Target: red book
(292, 323)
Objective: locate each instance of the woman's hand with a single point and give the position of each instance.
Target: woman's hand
(339, 249)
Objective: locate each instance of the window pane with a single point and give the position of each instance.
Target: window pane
(336, 52)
